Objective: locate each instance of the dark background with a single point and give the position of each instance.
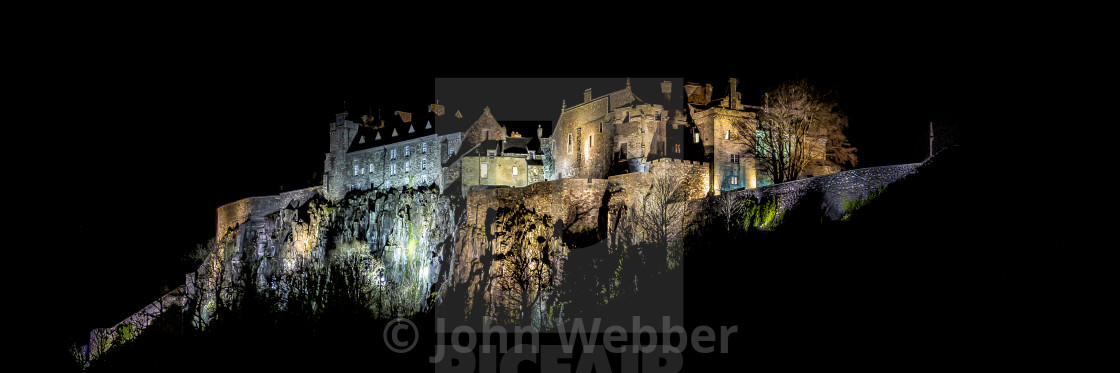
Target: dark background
(147, 137)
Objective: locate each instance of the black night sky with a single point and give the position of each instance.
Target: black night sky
(147, 139)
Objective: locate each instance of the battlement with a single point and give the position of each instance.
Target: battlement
(676, 161)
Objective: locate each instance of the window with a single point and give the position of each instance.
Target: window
(727, 135)
(735, 158)
(482, 170)
(734, 180)
(677, 147)
(423, 148)
(514, 170)
(590, 140)
(423, 165)
(531, 154)
(490, 153)
(407, 165)
(569, 139)
(393, 169)
(696, 137)
(355, 170)
(450, 151)
(392, 153)
(600, 127)
(371, 168)
(642, 129)
(406, 152)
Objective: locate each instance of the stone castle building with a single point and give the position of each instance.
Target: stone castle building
(612, 134)
(401, 151)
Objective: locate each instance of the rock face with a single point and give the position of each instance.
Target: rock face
(500, 253)
(388, 245)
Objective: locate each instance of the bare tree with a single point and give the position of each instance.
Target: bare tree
(525, 268)
(728, 204)
(659, 216)
(800, 130)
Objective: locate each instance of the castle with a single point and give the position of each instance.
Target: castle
(607, 135)
(615, 143)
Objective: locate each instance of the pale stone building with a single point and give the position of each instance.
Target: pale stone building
(605, 135)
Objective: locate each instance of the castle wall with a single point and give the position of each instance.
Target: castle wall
(232, 214)
(850, 185)
(101, 339)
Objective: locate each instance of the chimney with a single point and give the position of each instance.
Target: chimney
(340, 117)
(734, 95)
(587, 95)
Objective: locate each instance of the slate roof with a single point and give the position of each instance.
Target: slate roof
(367, 136)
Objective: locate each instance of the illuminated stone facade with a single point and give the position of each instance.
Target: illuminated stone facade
(592, 138)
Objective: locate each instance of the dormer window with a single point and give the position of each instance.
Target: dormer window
(490, 153)
(531, 154)
(392, 153)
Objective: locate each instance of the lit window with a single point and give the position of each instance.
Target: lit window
(696, 138)
(514, 170)
(371, 168)
(393, 169)
(392, 153)
(424, 148)
(482, 170)
(490, 153)
(677, 147)
(734, 180)
(406, 152)
(727, 135)
(407, 165)
(355, 170)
